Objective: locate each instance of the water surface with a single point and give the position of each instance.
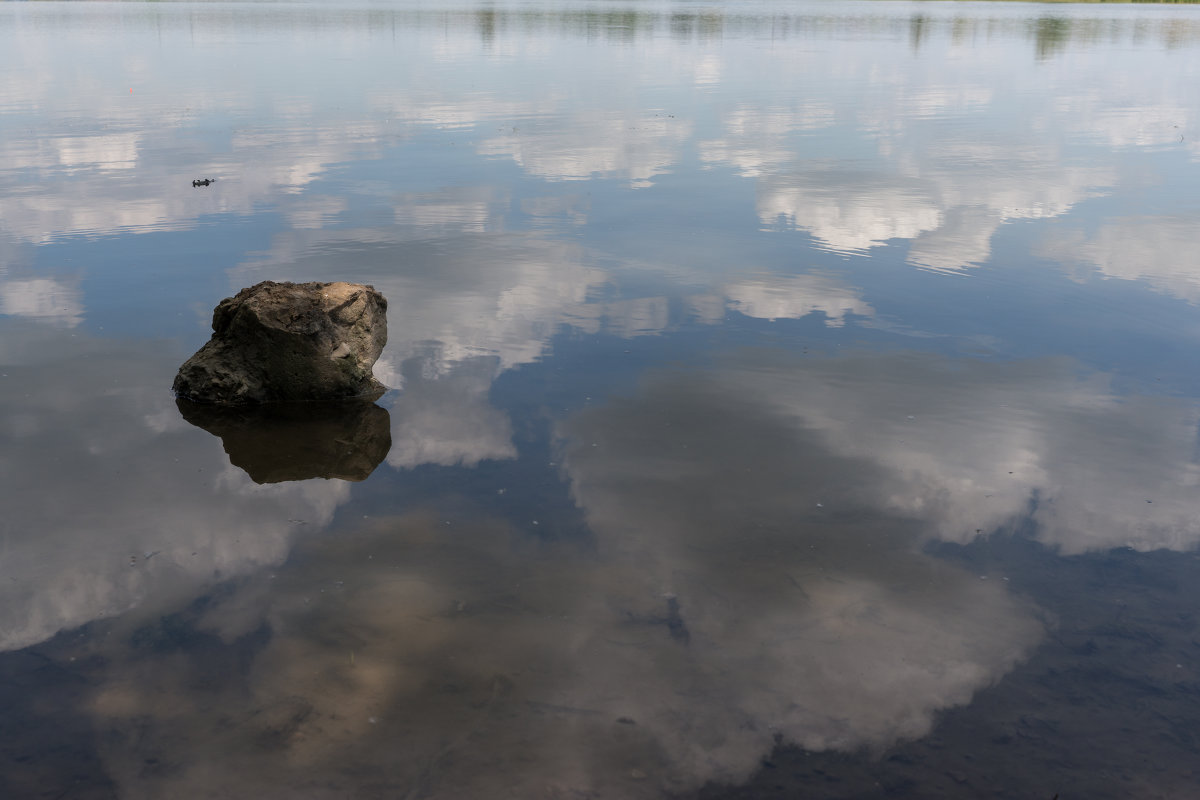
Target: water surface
(787, 399)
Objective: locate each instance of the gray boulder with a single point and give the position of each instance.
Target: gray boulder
(289, 342)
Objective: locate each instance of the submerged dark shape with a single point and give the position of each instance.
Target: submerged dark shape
(672, 619)
(289, 342)
(203, 182)
(297, 441)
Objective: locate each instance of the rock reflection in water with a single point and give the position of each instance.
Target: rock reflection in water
(296, 441)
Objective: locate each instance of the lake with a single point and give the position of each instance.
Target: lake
(786, 399)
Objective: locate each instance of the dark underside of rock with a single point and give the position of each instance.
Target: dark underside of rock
(289, 342)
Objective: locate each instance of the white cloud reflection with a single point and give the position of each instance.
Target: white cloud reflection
(925, 153)
(1158, 250)
(45, 299)
(114, 503)
(720, 501)
(974, 446)
(555, 678)
(74, 193)
(316, 211)
(596, 145)
(474, 209)
(845, 213)
(107, 152)
(443, 415)
(756, 140)
(757, 568)
(949, 211)
(720, 608)
(796, 296)
(757, 572)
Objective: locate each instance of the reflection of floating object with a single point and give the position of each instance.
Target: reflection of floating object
(298, 441)
(203, 182)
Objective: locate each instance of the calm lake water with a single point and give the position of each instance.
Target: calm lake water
(788, 399)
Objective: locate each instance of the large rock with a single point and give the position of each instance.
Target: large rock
(287, 342)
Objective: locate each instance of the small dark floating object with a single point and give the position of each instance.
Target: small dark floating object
(203, 182)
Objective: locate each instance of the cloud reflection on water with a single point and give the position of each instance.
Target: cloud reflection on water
(47, 299)
(636, 147)
(720, 609)
(757, 570)
(443, 417)
(949, 202)
(968, 446)
(129, 511)
(755, 566)
(796, 296)
(1158, 250)
(947, 189)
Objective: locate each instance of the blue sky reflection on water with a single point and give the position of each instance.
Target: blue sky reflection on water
(780, 391)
